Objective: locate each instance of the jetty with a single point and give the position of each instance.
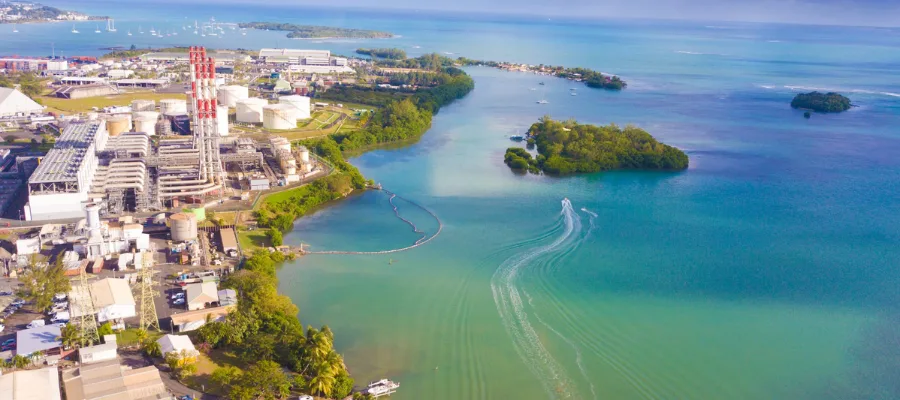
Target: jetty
(383, 387)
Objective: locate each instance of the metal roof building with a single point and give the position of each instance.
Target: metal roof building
(13, 103)
(42, 338)
(111, 297)
(291, 56)
(200, 294)
(61, 182)
(30, 385)
(109, 380)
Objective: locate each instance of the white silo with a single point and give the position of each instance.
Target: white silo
(92, 218)
(304, 154)
(251, 110)
(143, 105)
(145, 121)
(230, 95)
(222, 120)
(172, 106)
(279, 116)
(116, 124)
(300, 104)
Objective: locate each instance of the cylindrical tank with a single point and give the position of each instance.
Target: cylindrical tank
(300, 104)
(304, 154)
(251, 110)
(222, 120)
(145, 121)
(290, 169)
(92, 116)
(230, 95)
(172, 106)
(183, 227)
(92, 218)
(279, 116)
(116, 124)
(143, 105)
(199, 213)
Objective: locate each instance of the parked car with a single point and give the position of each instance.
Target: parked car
(177, 295)
(36, 324)
(18, 302)
(2, 327)
(4, 293)
(61, 317)
(9, 342)
(8, 347)
(60, 297)
(178, 301)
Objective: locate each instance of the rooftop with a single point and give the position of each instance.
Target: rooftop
(108, 380)
(34, 384)
(62, 162)
(41, 338)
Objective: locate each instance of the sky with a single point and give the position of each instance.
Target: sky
(885, 13)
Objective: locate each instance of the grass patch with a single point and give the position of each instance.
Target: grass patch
(251, 240)
(206, 364)
(128, 337)
(86, 104)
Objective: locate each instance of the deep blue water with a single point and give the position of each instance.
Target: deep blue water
(766, 270)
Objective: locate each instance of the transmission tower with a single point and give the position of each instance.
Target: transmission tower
(86, 322)
(149, 318)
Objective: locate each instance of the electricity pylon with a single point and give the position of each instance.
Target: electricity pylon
(87, 324)
(149, 318)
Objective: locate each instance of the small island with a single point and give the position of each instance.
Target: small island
(821, 102)
(569, 147)
(317, 32)
(20, 12)
(389, 54)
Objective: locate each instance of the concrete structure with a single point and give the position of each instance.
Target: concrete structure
(291, 56)
(251, 110)
(36, 384)
(81, 80)
(259, 184)
(13, 103)
(43, 338)
(192, 320)
(119, 73)
(300, 104)
(143, 105)
(111, 298)
(108, 380)
(227, 297)
(141, 83)
(99, 353)
(83, 91)
(183, 227)
(222, 120)
(61, 182)
(118, 123)
(230, 95)
(229, 57)
(279, 116)
(177, 344)
(229, 240)
(198, 295)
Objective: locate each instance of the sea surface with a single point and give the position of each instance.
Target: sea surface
(767, 270)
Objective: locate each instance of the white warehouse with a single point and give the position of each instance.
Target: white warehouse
(61, 182)
(112, 301)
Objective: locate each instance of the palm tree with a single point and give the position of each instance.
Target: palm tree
(141, 335)
(321, 384)
(69, 336)
(19, 361)
(318, 344)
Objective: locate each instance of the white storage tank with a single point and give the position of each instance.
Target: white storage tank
(145, 121)
(300, 103)
(92, 219)
(172, 106)
(279, 116)
(183, 226)
(230, 95)
(222, 120)
(251, 110)
(304, 154)
(143, 105)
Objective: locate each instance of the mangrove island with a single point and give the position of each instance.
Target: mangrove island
(390, 54)
(821, 102)
(569, 147)
(589, 77)
(316, 32)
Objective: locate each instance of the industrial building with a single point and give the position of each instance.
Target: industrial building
(111, 380)
(192, 320)
(111, 298)
(15, 104)
(292, 56)
(82, 91)
(227, 57)
(30, 384)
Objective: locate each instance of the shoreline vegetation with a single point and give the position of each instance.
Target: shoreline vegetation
(821, 102)
(317, 32)
(388, 53)
(591, 78)
(567, 147)
(33, 13)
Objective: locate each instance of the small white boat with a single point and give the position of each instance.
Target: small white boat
(74, 30)
(129, 33)
(573, 94)
(383, 387)
(15, 30)
(97, 30)
(542, 102)
(140, 30)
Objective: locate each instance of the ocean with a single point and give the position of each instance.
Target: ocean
(767, 270)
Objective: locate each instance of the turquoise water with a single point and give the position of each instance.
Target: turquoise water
(767, 270)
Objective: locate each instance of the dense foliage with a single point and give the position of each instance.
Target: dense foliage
(41, 282)
(591, 78)
(373, 96)
(411, 117)
(266, 334)
(35, 12)
(569, 147)
(391, 53)
(431, 61)
(821, 102)
(28, 83)
(314, 31)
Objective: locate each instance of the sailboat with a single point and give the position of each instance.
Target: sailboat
(140, 30)
(73, 29)
(152, 31)
(129, 33)
(97, 30)
(15, 30)
(110, 25)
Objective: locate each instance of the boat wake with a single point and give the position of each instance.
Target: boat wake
(512, 312)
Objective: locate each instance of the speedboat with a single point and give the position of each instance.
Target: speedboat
(382, 387)
(542, 102)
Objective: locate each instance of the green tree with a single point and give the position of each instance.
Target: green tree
(105, 329)
(322, 385)
(275, 237)
(10, 139)
(263, 380)
(343, 385)
(70, 336)
(225, 376)
(152, 348)
(41, 283)
(19, 361)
